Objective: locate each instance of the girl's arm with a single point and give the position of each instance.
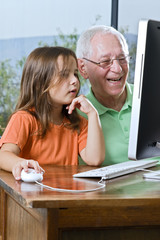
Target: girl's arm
(10, 161)
(94, 152)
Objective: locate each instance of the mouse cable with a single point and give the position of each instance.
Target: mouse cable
(100, 183)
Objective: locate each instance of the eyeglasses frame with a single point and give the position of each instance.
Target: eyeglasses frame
(111, 61)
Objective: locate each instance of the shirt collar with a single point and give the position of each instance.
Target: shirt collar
(102, 109)
(128, 102)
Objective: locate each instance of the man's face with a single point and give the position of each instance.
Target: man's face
(109, 82)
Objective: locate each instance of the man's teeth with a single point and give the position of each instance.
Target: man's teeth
(114, 80)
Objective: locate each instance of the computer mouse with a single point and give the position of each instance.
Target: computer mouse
(31, 175)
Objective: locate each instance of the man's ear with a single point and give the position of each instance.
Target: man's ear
(82, 68)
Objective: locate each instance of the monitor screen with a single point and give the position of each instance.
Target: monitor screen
(144, 139)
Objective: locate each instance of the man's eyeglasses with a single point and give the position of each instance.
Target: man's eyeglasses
(108, 62)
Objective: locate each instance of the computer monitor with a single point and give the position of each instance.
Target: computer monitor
(144, 139)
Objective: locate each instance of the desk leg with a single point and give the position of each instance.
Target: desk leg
(53, 220)
(24, 222)
(19, 222)
(2, 213)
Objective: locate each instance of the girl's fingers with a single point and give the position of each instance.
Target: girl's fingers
(82, 103)
(76, 103)
(25, 165)
(35, 165)
(18, 168)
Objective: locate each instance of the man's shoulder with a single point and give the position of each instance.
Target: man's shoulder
(130, 87)
(89, 95)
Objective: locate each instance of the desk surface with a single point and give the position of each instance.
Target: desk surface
(129, 190)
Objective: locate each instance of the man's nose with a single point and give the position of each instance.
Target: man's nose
(116, 67)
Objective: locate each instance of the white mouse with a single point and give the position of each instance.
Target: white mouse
(31, 175)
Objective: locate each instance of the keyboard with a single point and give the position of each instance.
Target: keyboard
(118, 169)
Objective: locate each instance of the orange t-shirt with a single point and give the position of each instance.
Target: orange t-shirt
(60, 146)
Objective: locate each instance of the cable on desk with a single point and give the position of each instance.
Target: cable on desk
(100, 183)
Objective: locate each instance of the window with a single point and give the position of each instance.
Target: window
(28, 24)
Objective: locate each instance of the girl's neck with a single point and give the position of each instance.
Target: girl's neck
(57, 116)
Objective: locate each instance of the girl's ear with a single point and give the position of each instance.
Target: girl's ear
(82, 68)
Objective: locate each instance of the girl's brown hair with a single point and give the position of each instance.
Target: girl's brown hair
(39, 69)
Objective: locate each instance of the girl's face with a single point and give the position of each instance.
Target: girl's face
(64, 92)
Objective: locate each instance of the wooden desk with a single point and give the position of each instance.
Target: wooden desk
(127, 208)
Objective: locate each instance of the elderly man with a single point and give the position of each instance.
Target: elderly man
(103, 58)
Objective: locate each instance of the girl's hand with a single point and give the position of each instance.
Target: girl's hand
(82, 103)
(94, 152)
(25, 164)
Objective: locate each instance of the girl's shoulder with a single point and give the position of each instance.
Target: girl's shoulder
(23, 116)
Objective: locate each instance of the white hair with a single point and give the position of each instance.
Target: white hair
(84, 49)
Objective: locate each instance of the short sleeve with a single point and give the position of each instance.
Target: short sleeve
(17, 130)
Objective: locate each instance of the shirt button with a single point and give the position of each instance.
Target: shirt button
(125, 129)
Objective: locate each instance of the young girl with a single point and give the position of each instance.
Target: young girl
(45, 127)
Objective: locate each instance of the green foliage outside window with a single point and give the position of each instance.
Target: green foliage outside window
(10, 76)
(9, 90)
